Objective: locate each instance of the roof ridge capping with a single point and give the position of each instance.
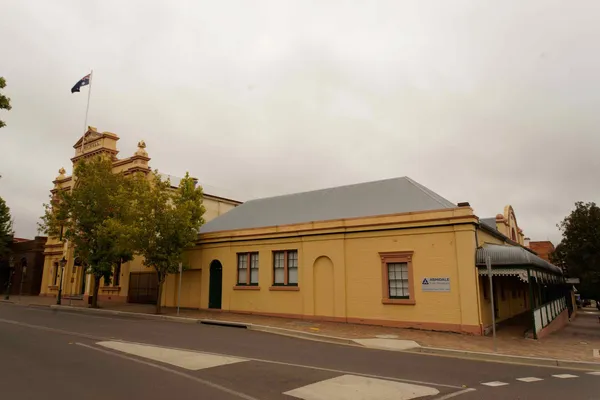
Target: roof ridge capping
(445, 203)
(430, 193)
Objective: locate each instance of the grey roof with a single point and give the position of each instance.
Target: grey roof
(501, 255)
(390, 196)
(489, 222)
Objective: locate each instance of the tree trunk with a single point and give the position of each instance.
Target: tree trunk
(161, 281)
(96, 290)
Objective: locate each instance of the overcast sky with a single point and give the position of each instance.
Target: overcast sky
(491, 102)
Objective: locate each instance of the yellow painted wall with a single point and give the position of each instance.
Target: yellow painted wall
(440, 252)
(107, 141)
(323, 287)
(191, 289)
(215, 207)
(509, 306)
(340, 275)
(485, 237)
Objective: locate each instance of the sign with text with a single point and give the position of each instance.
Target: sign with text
(435, 284)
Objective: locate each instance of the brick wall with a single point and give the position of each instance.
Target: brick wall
(542, 249)
(33, 252)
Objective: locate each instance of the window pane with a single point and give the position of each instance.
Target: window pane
(254, 276)
(242, 274)
(293, 276)
(398, 280)
(278, 259)
(292, 258)
(254, 260)
(242, 260)
(279, 275)
(242, 268)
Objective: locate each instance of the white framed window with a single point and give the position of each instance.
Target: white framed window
(285, 268)
(247, 267)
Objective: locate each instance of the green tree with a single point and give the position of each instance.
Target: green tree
(4, 101)
(6, 229)
(579, 250)
(168, 222)
(95, 217)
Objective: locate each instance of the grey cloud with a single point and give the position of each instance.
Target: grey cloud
(492, 103)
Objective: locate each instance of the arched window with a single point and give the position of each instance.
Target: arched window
(514, 235)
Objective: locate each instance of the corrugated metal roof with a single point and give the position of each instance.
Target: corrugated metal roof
(390, 196)
(501, 255)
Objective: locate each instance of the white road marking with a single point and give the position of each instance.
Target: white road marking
(388, 344)
(184, 359)
(565, 376)
(263, 360)
(529, 379)
(495, 383)
(173, 371)
(352, 387)
(597, 373)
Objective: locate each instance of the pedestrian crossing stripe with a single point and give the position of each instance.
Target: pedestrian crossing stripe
(495, 383)
(353, 387)
(565, 376)
(190, 360)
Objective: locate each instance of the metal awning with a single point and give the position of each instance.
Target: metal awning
(521, 273)
(515, 261)
(506, 256)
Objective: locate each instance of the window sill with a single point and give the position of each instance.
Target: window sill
(110, 288)
(246, 287)
(284, 289)
(398, 301)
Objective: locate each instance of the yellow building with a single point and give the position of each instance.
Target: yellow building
(132, 281)
(390, 253)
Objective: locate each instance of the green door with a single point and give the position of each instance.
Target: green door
(215, 286)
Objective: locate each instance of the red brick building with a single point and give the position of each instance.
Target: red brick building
(542, 249)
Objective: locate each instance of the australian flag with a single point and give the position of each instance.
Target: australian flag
(83, 82)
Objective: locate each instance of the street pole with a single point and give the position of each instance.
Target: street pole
(488, 263)
(23, 274)
(62, 273)
(179, 290)
(10, 274)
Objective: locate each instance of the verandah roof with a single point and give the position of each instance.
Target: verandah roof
(513, 256)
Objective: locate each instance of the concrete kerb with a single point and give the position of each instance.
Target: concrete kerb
(550, 362)
(302, 335)
(124, 314)
(18, 303)
(507, 358)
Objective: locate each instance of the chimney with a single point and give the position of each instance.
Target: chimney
(526, 242)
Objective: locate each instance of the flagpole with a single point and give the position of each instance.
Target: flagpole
(87, 108)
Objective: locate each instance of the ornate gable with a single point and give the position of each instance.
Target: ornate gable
(96, 143)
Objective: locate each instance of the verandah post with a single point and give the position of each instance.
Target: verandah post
(532, 302)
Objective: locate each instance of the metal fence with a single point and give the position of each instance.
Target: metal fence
(546, 313)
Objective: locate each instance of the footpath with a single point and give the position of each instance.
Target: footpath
(575, 346)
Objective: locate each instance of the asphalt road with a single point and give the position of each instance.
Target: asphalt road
(60, 355)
